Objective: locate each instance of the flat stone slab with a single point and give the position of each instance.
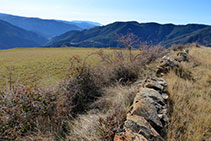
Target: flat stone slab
(156, 83)
(139, 125)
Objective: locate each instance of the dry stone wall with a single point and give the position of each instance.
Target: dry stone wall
(148, 116)
(168, 63)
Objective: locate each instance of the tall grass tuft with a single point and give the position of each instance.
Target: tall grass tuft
(190, 113)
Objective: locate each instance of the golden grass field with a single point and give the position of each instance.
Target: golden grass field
(191, 110)
(40, 66)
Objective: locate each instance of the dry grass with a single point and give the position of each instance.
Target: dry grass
(190, 118)
(202, 55)
(190, 110)
(86, 127)
(110, 110)
(108, 116)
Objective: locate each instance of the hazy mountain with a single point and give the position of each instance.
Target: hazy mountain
(84, 24)
(46, 28)
(150, 33)
(12, 37)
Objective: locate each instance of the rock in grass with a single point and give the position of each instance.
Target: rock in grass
(139, 125)
(128, 135)
(182, 56)
(155, 83)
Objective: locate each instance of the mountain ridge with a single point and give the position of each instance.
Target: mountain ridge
(12, 37)
(45, 27)
(150, 33)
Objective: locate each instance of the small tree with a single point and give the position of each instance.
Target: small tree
(129, 41)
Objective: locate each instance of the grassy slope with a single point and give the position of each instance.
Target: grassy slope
(191, 111)
(40, 66)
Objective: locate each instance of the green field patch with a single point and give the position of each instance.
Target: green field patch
(41, 66)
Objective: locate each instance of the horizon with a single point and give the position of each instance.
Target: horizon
(142, 11)
(99, 22)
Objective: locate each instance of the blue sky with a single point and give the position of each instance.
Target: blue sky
(108, 11)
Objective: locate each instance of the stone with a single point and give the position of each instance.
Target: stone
(168, 63)
(151, 93)
(147, 110)
(148, 103)
(184, 55)
(148, 114)
(155, 83)
(163, 116)
(139, 125)
(165, 96)
(164, 111)
(165, 65)
(181, 56)
(128, 135)
(161, 81)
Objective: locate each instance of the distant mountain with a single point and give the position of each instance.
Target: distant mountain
(150, 33)
(13, 37)
(201, 36)
(84, 24)
(46, 28)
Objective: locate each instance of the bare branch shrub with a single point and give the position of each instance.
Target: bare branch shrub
(150, 54)
(130, 41)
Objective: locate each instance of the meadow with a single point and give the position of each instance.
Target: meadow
(40, 66)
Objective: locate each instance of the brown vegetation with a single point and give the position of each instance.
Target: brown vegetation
(190, 118)
(92, 103)
(50, 113)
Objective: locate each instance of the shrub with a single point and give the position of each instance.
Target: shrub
(107, 116)
(112, 124)
(177, 47)
(125, 68)
(80, 91)
(27, 110)
(181, 47)
(150, 54)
